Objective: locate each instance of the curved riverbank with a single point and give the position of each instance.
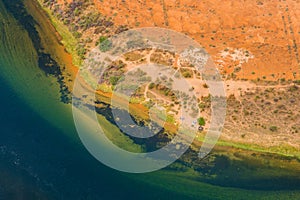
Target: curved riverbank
(141, 112)
(66, 170)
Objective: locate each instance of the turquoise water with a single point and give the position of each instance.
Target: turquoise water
(41, 156)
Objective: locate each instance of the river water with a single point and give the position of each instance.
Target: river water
(41, 156)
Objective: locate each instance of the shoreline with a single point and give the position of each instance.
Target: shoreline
(65, 38)
(235, 173)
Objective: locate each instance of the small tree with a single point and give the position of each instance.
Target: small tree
(201, 121)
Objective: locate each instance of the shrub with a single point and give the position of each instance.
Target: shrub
(151, 86)
(201, 121)
(187, 74)
(81, 51)
(273, 128)
(102, 39)
(205, 85)
(114, 80)
(105, 45)
(77, 34)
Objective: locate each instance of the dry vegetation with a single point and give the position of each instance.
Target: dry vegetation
(84, 21)
(253, 43)
(263, 37)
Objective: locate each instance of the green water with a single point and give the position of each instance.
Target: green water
(41, 156)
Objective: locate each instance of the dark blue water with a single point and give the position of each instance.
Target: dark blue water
(46, 163)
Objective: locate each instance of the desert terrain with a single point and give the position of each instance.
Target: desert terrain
(254, 44)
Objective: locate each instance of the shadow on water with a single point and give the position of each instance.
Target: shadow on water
(150, 144)
(45, 61)
(248, 172)
(37, 161)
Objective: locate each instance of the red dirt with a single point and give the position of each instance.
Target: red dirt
(269, 30)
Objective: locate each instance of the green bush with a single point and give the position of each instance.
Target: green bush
(151, 86)
(77, 34)
(114, 80)
(186, 74)
(102, 39)
(81, 51)
(105, 45)
(201, 121)
(273, 128)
